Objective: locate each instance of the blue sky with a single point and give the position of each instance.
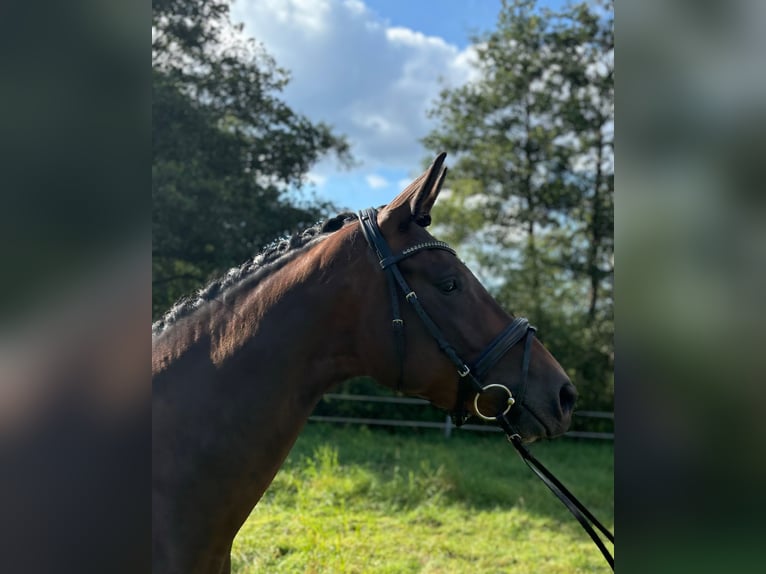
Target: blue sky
(371, 69)
(454, 20)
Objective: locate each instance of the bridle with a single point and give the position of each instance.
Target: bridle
(470, 376)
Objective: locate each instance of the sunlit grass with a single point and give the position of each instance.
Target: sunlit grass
(357, 500)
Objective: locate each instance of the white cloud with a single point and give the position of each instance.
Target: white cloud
(376, 181)
(306, 15)
(372, 82)
(355, 6)
(407, 37)
(316, 179)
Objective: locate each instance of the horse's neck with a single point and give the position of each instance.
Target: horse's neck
(234, 400)
(295, 325)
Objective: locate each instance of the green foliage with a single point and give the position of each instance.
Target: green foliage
(227, 151)
(530, 196)
(359, 500)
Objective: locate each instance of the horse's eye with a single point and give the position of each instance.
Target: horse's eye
(448, 286)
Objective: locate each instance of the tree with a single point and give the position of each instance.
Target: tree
(585, 57)
(508, 164)
(584, 37)
(532, 179)
(226, 150)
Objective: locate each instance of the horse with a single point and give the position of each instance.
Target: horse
(238, 369)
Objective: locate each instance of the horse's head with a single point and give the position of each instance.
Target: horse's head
(466, 321)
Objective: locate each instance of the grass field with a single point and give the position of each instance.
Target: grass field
(351, 499)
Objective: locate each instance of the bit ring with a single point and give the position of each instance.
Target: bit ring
(511, 400)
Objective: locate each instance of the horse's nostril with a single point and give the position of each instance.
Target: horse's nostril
(567, 398)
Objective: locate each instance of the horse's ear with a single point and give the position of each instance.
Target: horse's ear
(416, 201)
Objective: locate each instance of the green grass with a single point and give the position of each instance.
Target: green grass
(351, 499)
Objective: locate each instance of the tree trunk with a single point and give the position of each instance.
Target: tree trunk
(532, 255)
(595, 232)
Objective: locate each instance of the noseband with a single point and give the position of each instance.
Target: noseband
(470, 377)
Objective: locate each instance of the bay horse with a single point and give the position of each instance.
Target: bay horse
(238, 370)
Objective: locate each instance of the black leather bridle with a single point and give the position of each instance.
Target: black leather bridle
(470, 376)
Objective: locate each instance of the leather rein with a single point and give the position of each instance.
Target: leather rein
(470, 376)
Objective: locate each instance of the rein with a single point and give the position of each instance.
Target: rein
(470, 377)
(577, 508)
